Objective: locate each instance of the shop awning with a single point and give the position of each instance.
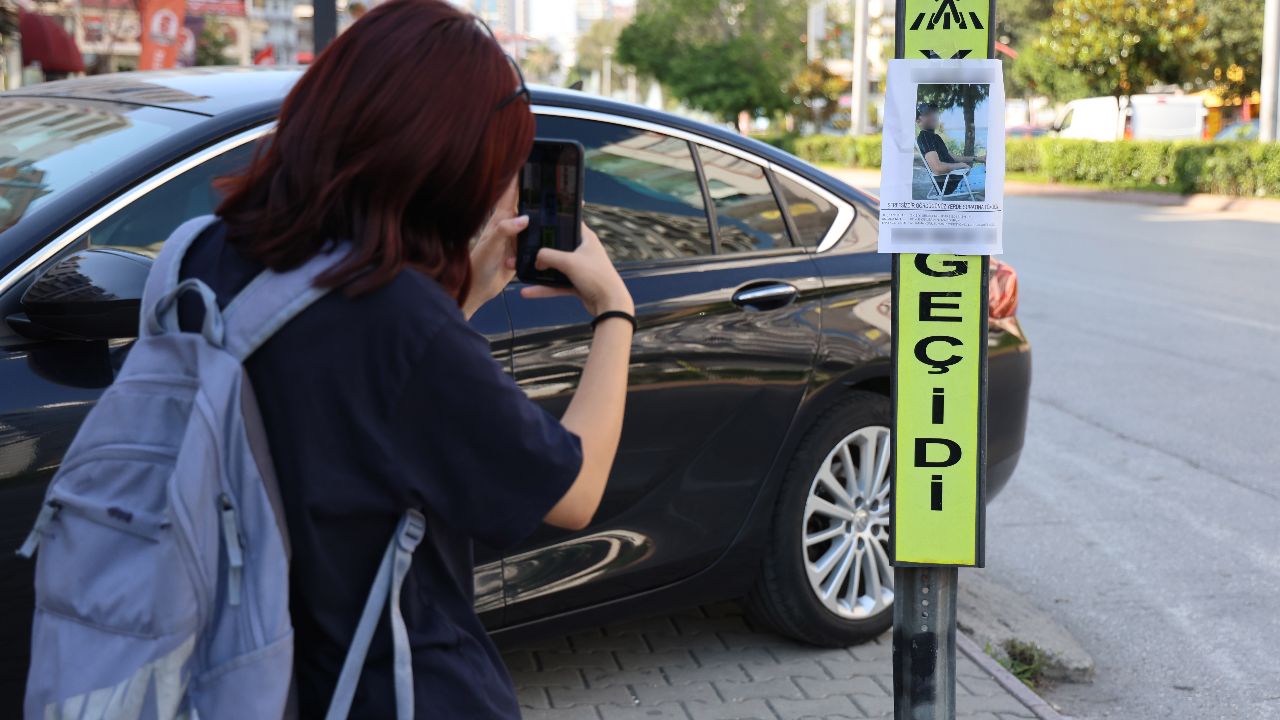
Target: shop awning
(44, 41)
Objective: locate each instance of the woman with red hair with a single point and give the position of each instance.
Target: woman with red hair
(404, 139)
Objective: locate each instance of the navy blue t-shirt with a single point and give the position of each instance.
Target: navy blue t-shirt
(373, 405)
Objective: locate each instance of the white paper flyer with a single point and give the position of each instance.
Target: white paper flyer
(942, 168)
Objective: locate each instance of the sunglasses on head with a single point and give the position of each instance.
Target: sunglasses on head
(522, 90)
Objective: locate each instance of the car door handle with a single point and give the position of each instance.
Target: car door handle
(765, 296)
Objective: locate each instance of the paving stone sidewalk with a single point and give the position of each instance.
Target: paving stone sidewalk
(710, 664)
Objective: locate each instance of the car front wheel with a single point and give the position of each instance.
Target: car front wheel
(826, 577)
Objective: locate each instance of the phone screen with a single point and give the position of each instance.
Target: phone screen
(551, 195)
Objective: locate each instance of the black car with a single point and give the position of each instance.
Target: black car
(754, 457)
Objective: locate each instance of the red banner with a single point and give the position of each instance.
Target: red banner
(161, 33)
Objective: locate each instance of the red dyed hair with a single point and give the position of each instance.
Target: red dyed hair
(392, 139)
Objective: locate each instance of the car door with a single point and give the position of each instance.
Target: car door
(727, 308)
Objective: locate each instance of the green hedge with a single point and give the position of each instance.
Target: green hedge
(1229, 168)
(861, 151)
(784, 141)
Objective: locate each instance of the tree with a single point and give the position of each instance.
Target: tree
(963, 95)
(1233, 39)
(1018, 24)
(1117, 47)
(601, 39)
(540, 62)
(816, 89)
(212, 44)
(1018, 21)
(719, 56)
(1036, 72)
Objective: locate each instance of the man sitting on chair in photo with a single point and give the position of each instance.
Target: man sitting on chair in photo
(938, 159)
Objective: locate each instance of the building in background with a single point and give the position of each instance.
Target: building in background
(511, 17)
(108, 31)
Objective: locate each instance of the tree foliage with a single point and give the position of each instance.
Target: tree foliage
(1233, 40)
(1018, 24)
(816, 91)
(1018, 21)
(719, 56)
(212, 44)
(540, 62)
(601, 39)
(1115, 47)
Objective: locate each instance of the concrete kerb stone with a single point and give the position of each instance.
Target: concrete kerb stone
(1036, 704)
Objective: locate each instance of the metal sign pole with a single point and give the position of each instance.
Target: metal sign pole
(324, 23)
(939, 410)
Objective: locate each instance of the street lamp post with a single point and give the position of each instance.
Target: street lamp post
(606, 82)
(324, 23)
(816, 30)
(1268, 130)
(858, 90)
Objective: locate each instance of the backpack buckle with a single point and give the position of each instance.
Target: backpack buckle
(235, 551)
(412, 527)
(47, 513)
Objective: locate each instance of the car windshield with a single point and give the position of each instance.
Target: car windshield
(50, 145)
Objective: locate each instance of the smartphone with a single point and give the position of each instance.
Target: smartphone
(551, 195)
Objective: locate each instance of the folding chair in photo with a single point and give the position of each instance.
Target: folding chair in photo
(938, 191)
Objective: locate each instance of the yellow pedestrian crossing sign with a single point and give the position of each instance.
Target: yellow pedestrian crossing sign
(945, 29)
(939, 347)
(939, 330)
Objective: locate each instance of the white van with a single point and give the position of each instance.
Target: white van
(1137, 117)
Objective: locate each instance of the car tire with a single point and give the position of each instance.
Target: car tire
(802, 591)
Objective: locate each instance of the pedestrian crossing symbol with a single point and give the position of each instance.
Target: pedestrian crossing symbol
(945, 29)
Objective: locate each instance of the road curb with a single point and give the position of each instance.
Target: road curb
(1195, 201)
(1036, 704)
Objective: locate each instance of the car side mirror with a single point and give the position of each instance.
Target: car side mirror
(93, 294)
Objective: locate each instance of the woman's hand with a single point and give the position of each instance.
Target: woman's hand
(594, 278)
(493, 257)
(595, 412)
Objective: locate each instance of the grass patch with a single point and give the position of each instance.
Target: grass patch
(1023, 660)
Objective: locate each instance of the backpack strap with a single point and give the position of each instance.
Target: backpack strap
(162, 281)
(386, 588)
(272, 299)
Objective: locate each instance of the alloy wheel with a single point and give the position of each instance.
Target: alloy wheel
(846, 526)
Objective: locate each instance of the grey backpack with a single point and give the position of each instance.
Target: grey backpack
(162, 582)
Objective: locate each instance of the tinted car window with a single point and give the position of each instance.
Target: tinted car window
(747, 214)
(642, 193)
(50, 145)
(811, 213)
(146, 222)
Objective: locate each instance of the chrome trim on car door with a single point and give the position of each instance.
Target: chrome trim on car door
(844, 211)
(63, 240)
(759, 293)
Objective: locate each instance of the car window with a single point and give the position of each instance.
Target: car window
(1066, 120)
(147, 221)
(811, 213)
(50, 145)
(747, 214)
(642, 193)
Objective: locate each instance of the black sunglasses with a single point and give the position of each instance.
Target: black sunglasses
(522, 90)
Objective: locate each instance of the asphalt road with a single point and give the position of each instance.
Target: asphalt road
(1145, 514)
